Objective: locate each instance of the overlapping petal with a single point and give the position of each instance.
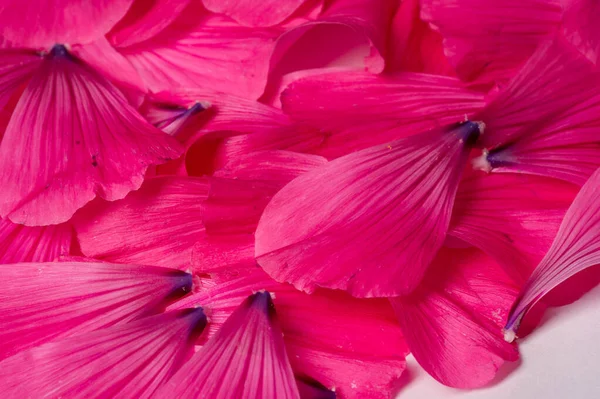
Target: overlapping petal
(45, 301)
(575, 248)
(452, 322)
(377, 216)
(20, 243)
(125, 361)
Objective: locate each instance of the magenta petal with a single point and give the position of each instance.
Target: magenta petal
(351, 345)
(545, 121)
(576, 247)
(581, 27)
(245, 359)
(43, 23)
(20, 243)
(45, 301)
(486, 42)
(16, 67)
(125, 361)
(156, 225)
(512, 218)
(452, 322)
(72, 137)
(359, 109)
(255, 12)
(397, 198)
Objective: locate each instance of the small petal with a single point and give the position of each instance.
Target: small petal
(397, 198)
(245, 359)
(125, 361)
(46, 301)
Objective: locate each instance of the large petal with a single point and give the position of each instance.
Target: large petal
(45, 301)
(126, 361)
(351, 345)
(452, 322)
(487, 42)
(245, 359)
(369, 222)
(359, 110)
(576, 247)
(513, 218)
(20, 243)
(156, 225)
(206, 51)
(253, 12)
(43, 23)
(73, 137)
(545, 121)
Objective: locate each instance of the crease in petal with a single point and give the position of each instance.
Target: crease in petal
(246, 359)
(20, 243)
(46, 301)
(575, 248)
(396, 197)
(126, 361)
(255, 13)
(545, 120)
(156, 225)
(488, 42)
(581, 27)
(72, 137)
(452, 322)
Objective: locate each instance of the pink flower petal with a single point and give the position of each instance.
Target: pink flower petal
(43, 23)
(45, 301)
(325, 333)
(546, 120)
(174, 119)
(144, 20)
(396, 197)
(359, 109)
(128, 361)
(512, 218)
(205, 51)
(452, 322)
(245, 359)
(486, 42)
(16, 67)
(157, 225)
(414, 46)
(20, 243)
(576, 247)
(255, 12)
(73, 137)
(581, 27)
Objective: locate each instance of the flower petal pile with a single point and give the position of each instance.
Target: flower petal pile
(284, 199)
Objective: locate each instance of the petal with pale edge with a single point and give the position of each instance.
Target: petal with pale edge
(546, 120)
(452, 322)
(155, 225)
(487, 42)
(125, 361)
(369, 222)
(44, 301)
(72, 137)
(359, 109)
(20, 243)
(245, 359)
(576, 247)
(513, 218)
(43, 23)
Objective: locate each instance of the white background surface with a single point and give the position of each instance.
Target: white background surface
(560, 360)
